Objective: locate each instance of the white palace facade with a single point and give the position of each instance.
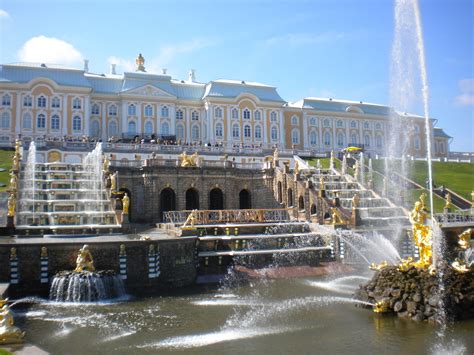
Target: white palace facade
(50, 102)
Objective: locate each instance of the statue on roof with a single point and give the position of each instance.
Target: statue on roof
(140, 61)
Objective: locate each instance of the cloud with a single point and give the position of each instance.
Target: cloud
(466, 98)
(301, 39)
(4, 14)
(42, 49)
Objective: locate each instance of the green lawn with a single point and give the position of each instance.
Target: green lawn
(324, 162)
(5, 163)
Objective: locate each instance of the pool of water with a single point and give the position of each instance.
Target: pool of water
(297, 316)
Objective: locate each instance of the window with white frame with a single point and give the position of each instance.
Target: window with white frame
(95, 109)
(367, 141)
(28, 101)
(246, 114)
(6, 100)
(339, 123)
(5, 121)
(148, 127)
(235, 131)
(353, 124)
(76, 123)
(378, 141)
(274, 133)
(340, 140)
(258, 132)
(273, 116)
(441, 147)
(257, 115)
(41, 101)
(95, 128)
(27, 121)
(312, 121)
(55, 122)
(219, 130)
(41, 121)
(247, 131)
(132, 127)
(180, 131)
(417, 143)
(148, 111)
(218, 112)
(313, 138)
(55, 102)
(76, 104)
(366, 125)
(132, 110)
(378, 126)
(295, 136)
(179, 114)
(165, 128)
(294, 120)
(194, 115)
(165, 111)
(354, 139)
(326, 123)
(112, 110)
(327, 138)
(112, 128)
(234, 113)
(417, 128)
(195, 133)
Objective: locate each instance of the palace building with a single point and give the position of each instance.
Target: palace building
(48, 102)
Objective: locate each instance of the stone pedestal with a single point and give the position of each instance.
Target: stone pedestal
(10, 222)
(125, 222)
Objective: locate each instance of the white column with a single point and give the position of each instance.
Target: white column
(188, 124)
(139, 116)
(282, 130)
(104, 121)
(305, 131)
(65, 118)
(229, 126)
(264, 124)
(173, 119)
(210, 124)
(361, 136)
(18, 115)
(87, 115)
(333, 127)
(348, 133)
(319, 122)
(124, 114)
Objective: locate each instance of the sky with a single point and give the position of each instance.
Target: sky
(325, 48)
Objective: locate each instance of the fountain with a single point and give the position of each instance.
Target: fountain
(85, 284)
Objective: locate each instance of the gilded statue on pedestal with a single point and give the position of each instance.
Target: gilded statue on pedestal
(125, 203)
(84, 261)
(355, 201)
(449, 202)
(106, 164)
(13, 182)
(296, 169)
(276, 156)
(113, 182)
(188, 161)
(462, 263)
(321, 183)
(11, 204)
(336, 216)
(9, 334)
(422, 234)
(140, 62)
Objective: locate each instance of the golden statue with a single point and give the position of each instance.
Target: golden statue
(321, 183)
(464, 241)
(13, 182)
(336, 216)
(16, 162)
(276, 156)
(381, 307)
(125, 203)
(140, 62)
(191, 220)
(9, 334)
(113, 182)
(188, 161)
(106, 164)
(11, 205)
(422, 234)
(380, 266)
(449, 202)
(462, 264)
(355, 201)
(296, 169)
(84, 261)
(406, 264)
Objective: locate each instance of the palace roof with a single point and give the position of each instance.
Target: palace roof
(439, 132)
(234, 88)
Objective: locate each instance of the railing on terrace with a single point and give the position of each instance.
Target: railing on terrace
(460, 217)
(174, 163)
(228, 216)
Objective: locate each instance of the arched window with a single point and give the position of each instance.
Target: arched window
(340, 140)
(353, 124)
(132, 110)
(219, 130)
(313, 138)
(339, 123)
(179, 115)
(41, 101)
(290, 197)
(417, 128)
(273, 116)
(313, 209)
(301, 203)
(258, 132)
(55, 123)
(6, 100)
(95, 128)
(195, 115)
(27, 101)
(132, 127)
(165, 111)
(76, 123)
(235, 131)
(218, 112)
(366, 125)
(41, 121)
(354, 139)
(95, 109)
(326, 123)
(295, 136)
(247, 132)
(165, 128)
(312, 121)
(27, 121)
(327, 138)
(112, 110)
(180, 131)
(112, 128)
(5, 121)
(234, 113)
(148, 111)
(148, 127)
(417, 143)
(378, 126)
(367, 140)
(257, 115)
(246, 114)
(55, 103)
(76, 104)
(294, 120)
(378, 141)
(274, 133)
(195, 133)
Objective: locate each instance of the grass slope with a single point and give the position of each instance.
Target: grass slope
(5, 163)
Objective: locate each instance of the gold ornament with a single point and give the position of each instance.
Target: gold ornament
(125, 203)
(422, 234)
(84, 261)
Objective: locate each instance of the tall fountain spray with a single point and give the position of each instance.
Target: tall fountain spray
(93, 178)
(27, 200)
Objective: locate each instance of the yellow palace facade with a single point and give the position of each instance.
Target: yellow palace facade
(50, 102)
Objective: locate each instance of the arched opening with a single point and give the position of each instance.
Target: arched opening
(301, 203)
(216, 199)
(290, 198)
(130, 205)
(280, 192)
(313, 209)
(167, 201)
(192, 199)
(245, 199)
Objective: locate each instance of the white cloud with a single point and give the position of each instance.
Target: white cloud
(301, 39)
(42, 49)
(466, 98)
(4, 14)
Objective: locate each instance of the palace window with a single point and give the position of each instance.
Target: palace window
(6, 100)
(235, 131)
(258, 132)
(41, 121)
(354, 139)
(313, 138)
(76, 104)
(312, 121)
(353, 124)
(246, 114)
(417, 143)
(417, 128)
(112, 128)
(378, 141)
(165, 128)
(180, 131)
(132, 127)
(27, 101)
(294, 121)
(326, 123)
(95, 109)
(27, 121)
(55, 123)
(5, 121)
(378, 126)
(95, 128)
(179, 115)
(132, 110)
(234, 113)
(339, 123)
(112, 110)
(247, 131)
(219, 130)
(195, 133)
(295, 136)
(41, 101)
(148, 111)
(327, 138)
(165, 111)
(148, 127)
(441, 147)
(274, 133)
(366, 125)
(367, 141)
(257, 115)
(218, 112)
(273, 116)
(55, 102)
(195, 116)
(340, 140)
(76, 123)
